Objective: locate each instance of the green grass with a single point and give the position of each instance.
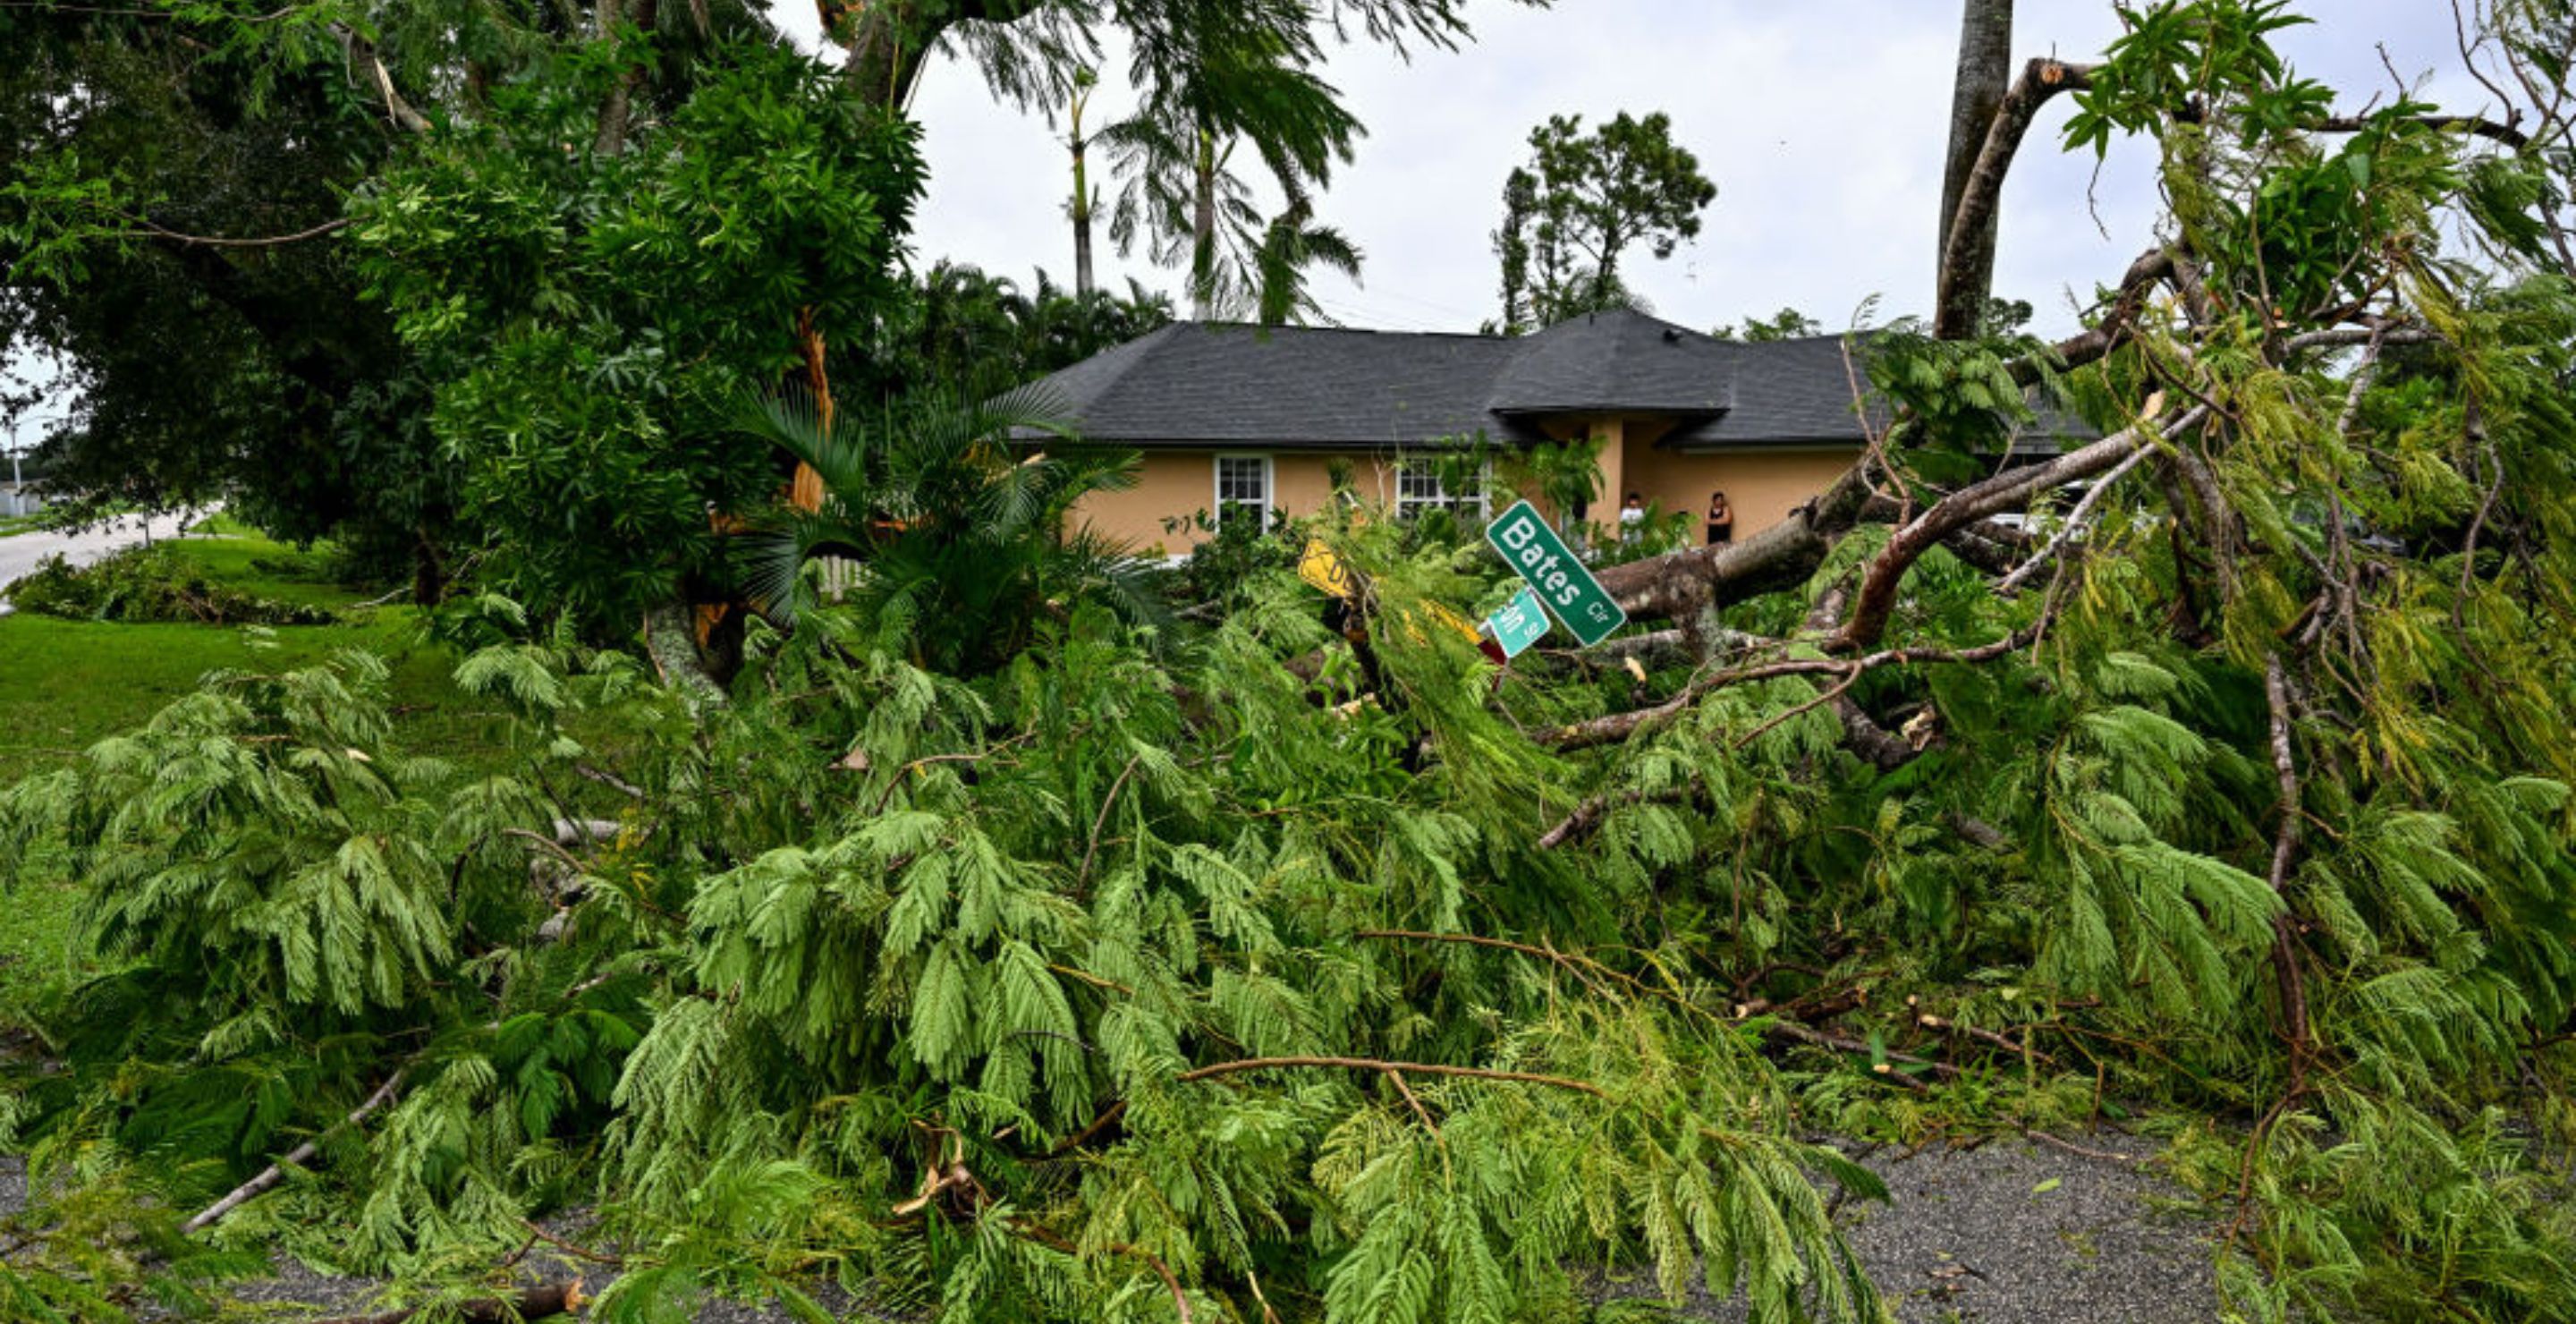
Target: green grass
(65, 684)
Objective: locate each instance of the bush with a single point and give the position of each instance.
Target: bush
(150, 584)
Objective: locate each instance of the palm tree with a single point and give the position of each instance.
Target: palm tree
(1290, 246)
(1086, 199)
(1181, 193)
(959, 532)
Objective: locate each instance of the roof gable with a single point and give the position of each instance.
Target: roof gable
(1619, 361)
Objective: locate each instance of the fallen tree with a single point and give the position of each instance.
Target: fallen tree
(1290, 971)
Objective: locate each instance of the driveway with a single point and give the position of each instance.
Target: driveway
(20, 554)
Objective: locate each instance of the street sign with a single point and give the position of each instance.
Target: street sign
(1543, 559)
(1324, 570)
(1518, 623)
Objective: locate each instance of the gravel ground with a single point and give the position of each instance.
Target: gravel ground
(2006, 1233)
(2014, 1233)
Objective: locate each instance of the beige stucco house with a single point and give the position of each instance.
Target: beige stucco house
(1246, 422)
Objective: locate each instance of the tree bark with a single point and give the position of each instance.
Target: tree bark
(1985, 69)
(670, 640)
(1680, 585)
(617, 113)
(2010, 490)
(1203, 232)
(527, 1303)
(1968, 256)
(881, 63)
(1081, 146)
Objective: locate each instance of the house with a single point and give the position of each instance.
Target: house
(1241, 420)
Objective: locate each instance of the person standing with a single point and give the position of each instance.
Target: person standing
(1721, 520)
(1632, 518)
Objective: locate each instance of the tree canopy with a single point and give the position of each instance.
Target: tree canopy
(1581, 203)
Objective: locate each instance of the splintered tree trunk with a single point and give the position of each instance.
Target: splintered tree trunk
(1985, 67)
(806, 492)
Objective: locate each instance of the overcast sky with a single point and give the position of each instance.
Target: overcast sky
(1821, 122)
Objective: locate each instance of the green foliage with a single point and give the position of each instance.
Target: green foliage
(972, 332)
(588, 317)
(156, 583)
(1581, 203)
(297, 405)
(1786, 324)
(958, 541)
(995, 957)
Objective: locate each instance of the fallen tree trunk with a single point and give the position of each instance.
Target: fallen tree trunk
(1681, 585)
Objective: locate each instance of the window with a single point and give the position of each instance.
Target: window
(1243, 489)
(1422, 485)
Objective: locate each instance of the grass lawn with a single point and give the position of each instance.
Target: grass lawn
(65, 684)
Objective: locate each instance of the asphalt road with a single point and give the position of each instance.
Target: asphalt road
(20, 554)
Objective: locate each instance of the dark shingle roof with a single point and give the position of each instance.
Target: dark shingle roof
(1617, 361)
(1285, 386)
(1314, 387)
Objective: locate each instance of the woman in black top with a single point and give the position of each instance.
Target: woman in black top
(1721, 519)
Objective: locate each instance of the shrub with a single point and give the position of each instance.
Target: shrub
(150, 584)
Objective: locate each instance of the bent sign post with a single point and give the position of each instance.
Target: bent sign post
(1550, 567)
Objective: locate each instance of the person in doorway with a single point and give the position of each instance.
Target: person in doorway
(1721, 520)
(1632, 518)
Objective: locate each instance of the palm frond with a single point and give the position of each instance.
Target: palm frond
(791, 419)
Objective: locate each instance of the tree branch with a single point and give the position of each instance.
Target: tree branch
(540, 1302)
(2475, 125)
(2092, 344)
(2285, 846)
(1374, 1064)
(2009, 490)
(303, 1153)
(359, 49)
(218, 241)
(1968, 260)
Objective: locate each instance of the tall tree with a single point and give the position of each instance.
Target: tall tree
(1085, 197)
(1247, 87)
(1977, 92)
(1582, 203)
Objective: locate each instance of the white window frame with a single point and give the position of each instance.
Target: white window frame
(1406, 506)
(1269, 487)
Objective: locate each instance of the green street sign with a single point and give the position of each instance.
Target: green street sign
(1517, 624)
(1543, 559)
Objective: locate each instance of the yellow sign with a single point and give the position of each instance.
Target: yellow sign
(1324, 570)
(1439, 615)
